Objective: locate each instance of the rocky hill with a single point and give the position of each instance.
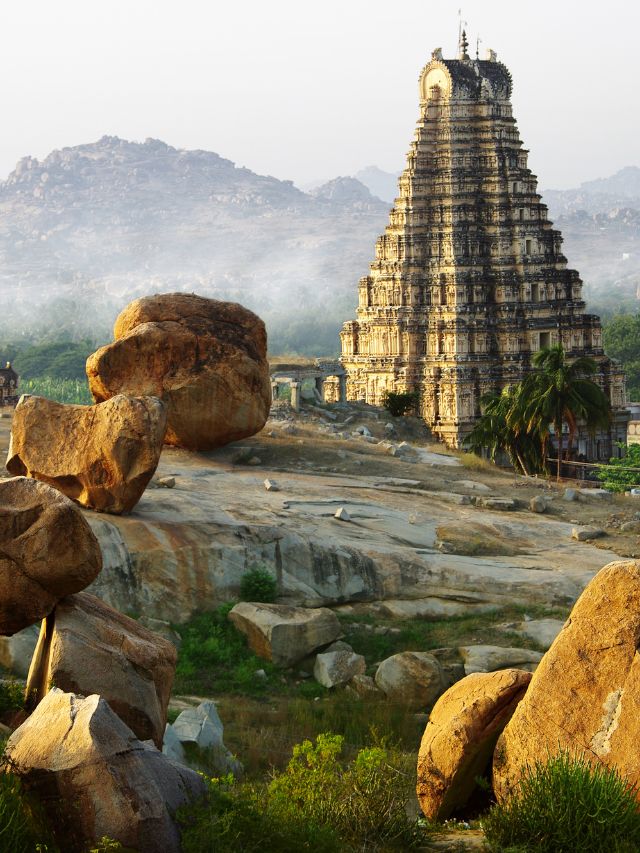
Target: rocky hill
(91, 227)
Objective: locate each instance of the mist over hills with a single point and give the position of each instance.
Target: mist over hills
(91, 227)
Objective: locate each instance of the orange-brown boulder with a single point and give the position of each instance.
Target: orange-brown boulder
(100, 456)
(87, 647)
(47, 551)
(206, 359)
(94, 778)
(584, 697)
(460, 737)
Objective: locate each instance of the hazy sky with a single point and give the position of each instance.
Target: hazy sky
(310, 90)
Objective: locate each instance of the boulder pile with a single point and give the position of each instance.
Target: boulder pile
(582, 699)
(90, 746)
(182, 370)
(205, 359)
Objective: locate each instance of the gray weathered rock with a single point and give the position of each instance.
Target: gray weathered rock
(491, 658)
(413, 678)
(593, 495)
(538, 504)
(284, 634)
(338, 667)
(16, 651)
(95, 778)
(541, 631)
(203, 727)
(630, 527)
(364, 687)
(570, 495)
(499, 504)
(583, 534)
(172, 746)
(341, 514)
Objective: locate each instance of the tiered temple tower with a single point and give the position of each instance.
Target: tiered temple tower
(469, 278)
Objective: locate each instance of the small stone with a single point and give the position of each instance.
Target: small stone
(254, 460)
(271, 486)
(341, 514)
(538, 504)
(583, 534)
(570, 495)
(260, 674)
(166, 482)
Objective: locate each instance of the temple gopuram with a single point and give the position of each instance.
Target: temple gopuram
(469, 279)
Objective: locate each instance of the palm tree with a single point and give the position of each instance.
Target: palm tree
(559, 392)
(503, 427)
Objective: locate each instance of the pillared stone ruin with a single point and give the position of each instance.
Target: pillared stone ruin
(469, 279)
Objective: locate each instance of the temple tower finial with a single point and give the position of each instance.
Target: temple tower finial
(464, 44)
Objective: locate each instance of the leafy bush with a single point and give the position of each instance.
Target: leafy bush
(258, 585)
(401, 404)
(22, 825)
(564, 805)
(317, 803)
(614, 478)
(364, 802)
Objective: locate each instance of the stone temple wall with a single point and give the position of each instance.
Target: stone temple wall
(469, 279)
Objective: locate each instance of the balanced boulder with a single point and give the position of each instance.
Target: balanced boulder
(460, 736)
(100, 456)
(47, 551)
(96, 779)
(584, 697)
(412, 678)
(87, 647)
(206, 359)
(285, 634)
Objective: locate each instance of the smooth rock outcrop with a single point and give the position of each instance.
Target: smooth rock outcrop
(585, 695)
(412, 678)
(203, 727)
(47, 551)
(204, 358)
(334, 668)
(101, 456)
(284, 634)
(95, 778)
(492, 658)
(87, 647)
(460, 737)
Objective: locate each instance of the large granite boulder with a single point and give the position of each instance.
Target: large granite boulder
(100, 456)
(96, 779)
(47, 551)
(460, 737)
(87, 646)
(412, 678)
(584, 697)
(17, 650)
(206, 359)
(285, 634)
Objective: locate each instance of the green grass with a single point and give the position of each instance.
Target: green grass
(23, 828)
(424, 635)
(564, 805)
(61, 390)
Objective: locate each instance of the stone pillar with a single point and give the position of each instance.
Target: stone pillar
(343, 388)
(274, 391)
(319, 389)
(295, 396)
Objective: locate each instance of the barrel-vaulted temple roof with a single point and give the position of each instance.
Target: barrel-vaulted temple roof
(469, 77)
